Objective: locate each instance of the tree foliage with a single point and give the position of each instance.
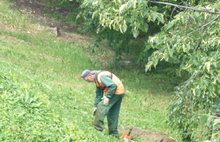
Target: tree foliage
(189, 37)
(192, 40)
(120, 21)
(119, 15)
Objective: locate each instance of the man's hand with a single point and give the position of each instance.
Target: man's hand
(94, 111)
(106, 100)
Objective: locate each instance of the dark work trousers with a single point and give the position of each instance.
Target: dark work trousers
(112, 112)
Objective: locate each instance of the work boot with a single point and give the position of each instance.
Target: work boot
(99, 130)
(115, 135)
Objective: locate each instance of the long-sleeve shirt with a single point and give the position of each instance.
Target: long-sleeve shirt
(107, 81)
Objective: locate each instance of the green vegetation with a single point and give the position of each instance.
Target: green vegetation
(26, 113)
(40, 73)
(43, 97)
(188, 39)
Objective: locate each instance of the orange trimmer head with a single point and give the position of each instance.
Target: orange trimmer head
(128, 136)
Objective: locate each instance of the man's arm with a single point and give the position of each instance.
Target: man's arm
(99, 95)
(107, 81)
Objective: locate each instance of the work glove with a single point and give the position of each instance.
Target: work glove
(106, 100)
(94, 111)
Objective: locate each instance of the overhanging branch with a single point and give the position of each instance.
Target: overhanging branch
(186, 7)
(187, 81)
(206, 24)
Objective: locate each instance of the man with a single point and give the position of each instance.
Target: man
(106, 82)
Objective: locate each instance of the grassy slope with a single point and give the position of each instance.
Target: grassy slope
(56, 67)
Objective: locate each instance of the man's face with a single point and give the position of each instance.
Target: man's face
(90, 78)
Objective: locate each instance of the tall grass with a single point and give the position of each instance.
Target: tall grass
(52, 68)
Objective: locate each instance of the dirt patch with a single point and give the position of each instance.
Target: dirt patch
(147, 136)
(36, 10)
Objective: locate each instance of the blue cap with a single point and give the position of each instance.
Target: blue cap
(85, 73)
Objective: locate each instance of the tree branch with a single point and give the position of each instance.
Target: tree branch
(171, 15)
(200, 38)
(186, 7)
(162, 8)
(206, 24)
(187, 81)
(184, 2)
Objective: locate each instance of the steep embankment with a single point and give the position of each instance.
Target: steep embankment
(44, 98)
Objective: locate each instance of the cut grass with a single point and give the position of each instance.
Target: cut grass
(56, 66)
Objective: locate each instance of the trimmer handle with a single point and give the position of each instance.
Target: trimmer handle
(130, 131)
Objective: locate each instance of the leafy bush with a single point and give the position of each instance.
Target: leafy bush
(26, 114)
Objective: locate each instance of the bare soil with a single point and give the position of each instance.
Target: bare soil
(146, 136)
(34, 9)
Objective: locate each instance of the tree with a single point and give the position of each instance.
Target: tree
(189, 37)
(192, 40)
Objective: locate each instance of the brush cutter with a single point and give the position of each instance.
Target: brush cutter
(127, 137)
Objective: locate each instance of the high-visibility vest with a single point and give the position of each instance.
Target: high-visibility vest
(120, 88)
